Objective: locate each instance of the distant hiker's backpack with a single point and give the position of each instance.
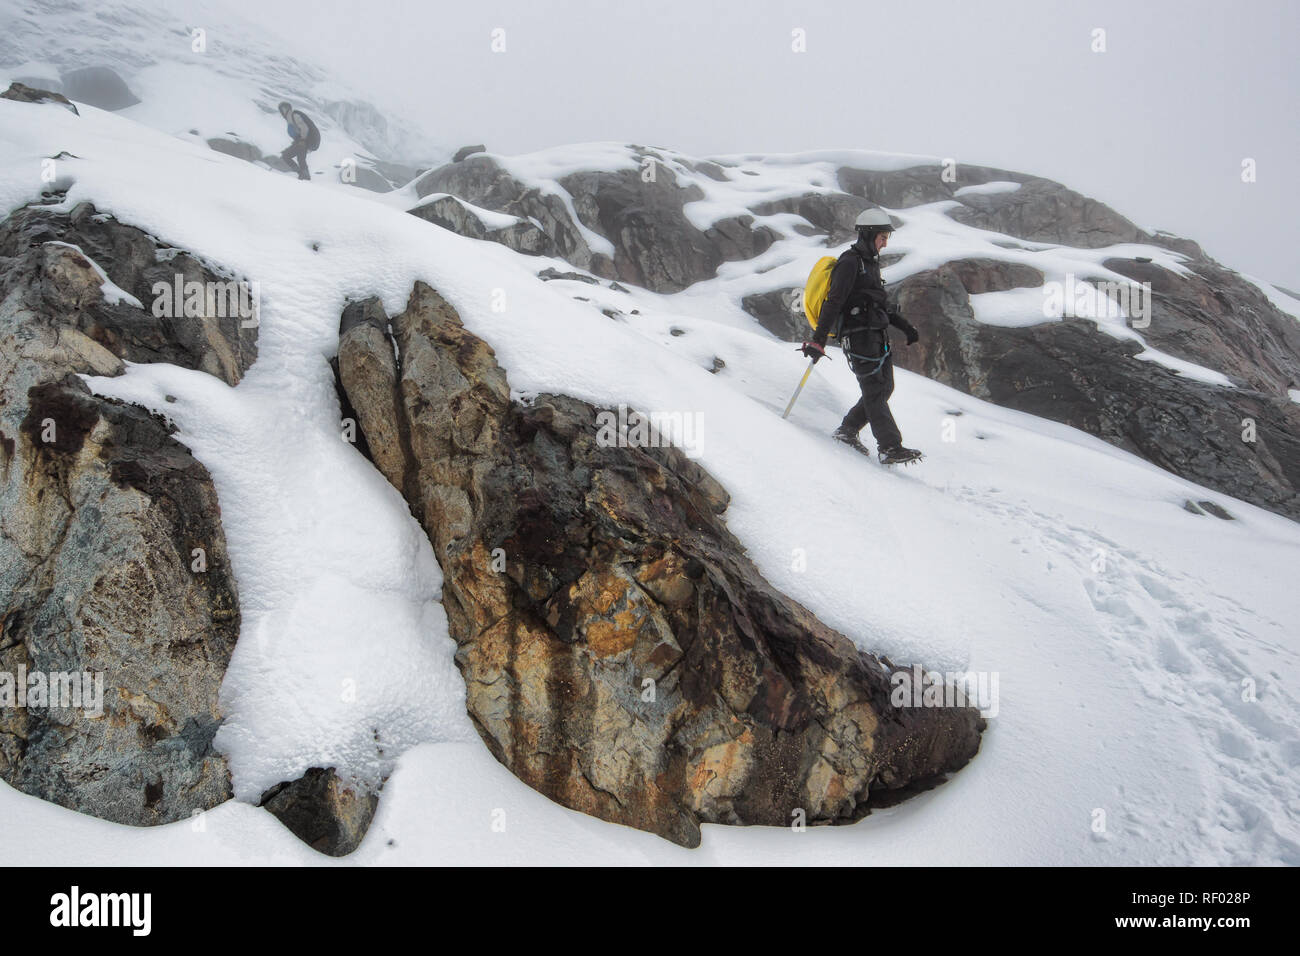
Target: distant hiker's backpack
(313, 134)
(817, 288)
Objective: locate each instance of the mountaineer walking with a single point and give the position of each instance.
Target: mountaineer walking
(305, 135)
(856, 310)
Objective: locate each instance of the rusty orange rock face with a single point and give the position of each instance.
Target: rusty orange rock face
(621, 653)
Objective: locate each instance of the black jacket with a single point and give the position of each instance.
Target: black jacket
(856, 299)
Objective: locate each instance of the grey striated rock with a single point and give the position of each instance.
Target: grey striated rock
(1215, 318)
(450, 213)
(113, 561)
(900, 188)
(1070, 372)
(655, 246)
(831, 213)
(1045, 211)
(629, 661)
(992, 275)
(480, 180)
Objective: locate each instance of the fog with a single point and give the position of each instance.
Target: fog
(1157, 125)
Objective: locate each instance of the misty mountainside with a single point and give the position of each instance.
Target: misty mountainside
(362, 578)
(160, 68)
(1203, 382)
(1022, 290)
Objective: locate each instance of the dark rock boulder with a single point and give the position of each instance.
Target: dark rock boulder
(113, 561)
(993, 275)
(450, 213)
(216, 340)
(480, 180)
(655, 245)
(322, 811)
(780, 312)
(621, 653)
(736, 238)
(831, 213)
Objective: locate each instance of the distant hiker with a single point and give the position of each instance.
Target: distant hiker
(857, 310)
(306, 137)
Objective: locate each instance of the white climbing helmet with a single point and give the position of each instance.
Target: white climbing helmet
(875, 220)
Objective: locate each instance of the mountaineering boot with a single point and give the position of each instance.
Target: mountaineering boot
(898, 455)
(851, 439)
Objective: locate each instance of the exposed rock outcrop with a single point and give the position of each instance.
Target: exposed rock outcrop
(655, 245)
(1045, 211)
(450, 213)
(622, 655)
(26, 94)
(480, 180)
(780, 312)
(1070, 372)
(113, 561)
(322, 811)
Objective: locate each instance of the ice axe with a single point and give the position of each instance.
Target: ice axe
(804, 381)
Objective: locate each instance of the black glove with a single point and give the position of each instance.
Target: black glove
(814, 351)
(913, 336)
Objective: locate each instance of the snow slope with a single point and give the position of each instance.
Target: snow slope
(225, 86)
(1120, 625)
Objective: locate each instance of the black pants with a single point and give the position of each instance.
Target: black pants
(296, 157)
(877, 384)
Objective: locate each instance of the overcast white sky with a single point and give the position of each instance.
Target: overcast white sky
(1157, 125)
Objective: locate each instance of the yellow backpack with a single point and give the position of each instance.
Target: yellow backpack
(817, 288)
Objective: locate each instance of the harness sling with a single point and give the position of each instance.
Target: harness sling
(878, 363)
